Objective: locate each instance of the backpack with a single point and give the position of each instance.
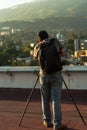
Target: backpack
(49, 57)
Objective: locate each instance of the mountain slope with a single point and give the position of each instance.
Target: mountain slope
(44, 9)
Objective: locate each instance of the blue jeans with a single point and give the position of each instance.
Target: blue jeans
(51, 86)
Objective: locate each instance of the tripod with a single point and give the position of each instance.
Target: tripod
(30, 96)
(28, 100)
(73, 101)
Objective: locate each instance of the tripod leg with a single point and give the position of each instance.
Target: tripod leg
(28, 100)
(74, 101)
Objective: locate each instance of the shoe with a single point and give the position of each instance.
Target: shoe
(63, 127)
(47, 125)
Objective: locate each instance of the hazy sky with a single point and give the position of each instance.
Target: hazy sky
(9, 3)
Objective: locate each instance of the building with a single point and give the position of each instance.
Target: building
(80, 46)
(61, 37)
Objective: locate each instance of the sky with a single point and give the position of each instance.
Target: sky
(10, 3)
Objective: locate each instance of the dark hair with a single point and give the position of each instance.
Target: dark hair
(43, 35)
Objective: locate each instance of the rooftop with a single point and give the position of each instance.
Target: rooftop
(13, 102)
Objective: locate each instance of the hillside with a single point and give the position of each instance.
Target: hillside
(45, 8)
(52, 14)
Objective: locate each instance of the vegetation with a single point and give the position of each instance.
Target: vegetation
(44, 8)
(10, 51)
(59, 14)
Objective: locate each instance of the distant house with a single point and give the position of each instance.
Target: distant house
(5, 31)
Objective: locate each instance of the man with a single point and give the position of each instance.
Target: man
(51, 86)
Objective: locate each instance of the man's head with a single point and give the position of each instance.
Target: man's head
(42, 35)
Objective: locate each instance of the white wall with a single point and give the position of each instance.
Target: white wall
(25, 77)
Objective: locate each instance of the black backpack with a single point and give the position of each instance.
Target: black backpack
(49, 57)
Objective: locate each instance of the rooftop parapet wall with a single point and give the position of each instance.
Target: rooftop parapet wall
(25, 77)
